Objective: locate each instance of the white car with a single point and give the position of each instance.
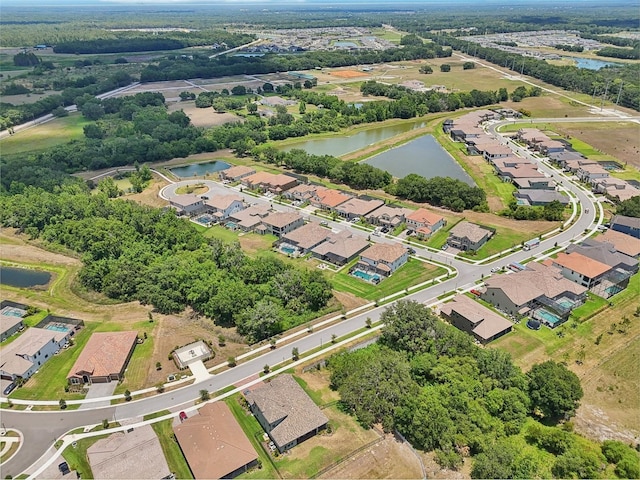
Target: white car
(495, 269)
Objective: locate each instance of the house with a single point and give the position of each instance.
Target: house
(573, 165)
(470, 316)
(591, 173)
(193, 352)
(468, 236)
(117, 456)
(280, 223)
(328, 199)
(531, 136)
(536, 198)
(580, 269)
(539, 290)
(340, 248)
(27, 353)
(424, 222)
(285, 412)
(11, 318)
(236, 173)
(275, 101)
(447, 125)
(622, 242)
(546, 147)
(187, 204)
(465, 133)
(250, 218)
(537, 183)
(563, 156)
(269, 182)
(104, 358)
(306, 237)
(214, 444)
(301, 193)
(388, 216)
(357, 207)
(223, 206)
(383, 258)
(615, 188)
(522, 170)
(494, 151)
(605, 253)
(628, 225)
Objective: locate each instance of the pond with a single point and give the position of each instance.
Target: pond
(590, 63)
(199, 169)
(342, 144)
(23, 278)
(423, 156)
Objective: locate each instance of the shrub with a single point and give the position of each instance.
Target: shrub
(231, 361)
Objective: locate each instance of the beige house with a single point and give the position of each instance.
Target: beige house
(388, 216)
(306, 237)
(340, 248)
(236, 173)
(468, 236)
(281, 223)
(474, 318)
(383, 258)
(357, 207)
(424, 223)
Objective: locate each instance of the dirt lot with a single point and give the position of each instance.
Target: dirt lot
(203, 117)
(348, 74)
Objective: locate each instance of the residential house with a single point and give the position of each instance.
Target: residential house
(615, 188)
(250, 218)
(477, 320)
(281, 223)
(424, 222)
(465, 133)
(605, 253)
(561, 157)
(591, 173)
(285, 412)
(222, 207)
(495, 151)
(539, 290)
(357, 207)
(340, 248)
(104, 358)
(236, 173)
(537, 183)
(536, 198)
(187, 204)
(301, 193)
(522, 170)
(11, 318)
(547, 147)
(328, 199)
(27, 353)
(530, 136)
(306, 237)
(388, 216)
(580, 269)
(573, 165)
(269, 182)
(383, 258)
(468, 236)
(628, 225)
(622, 242)
(214, 444)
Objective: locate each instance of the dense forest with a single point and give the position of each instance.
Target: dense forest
(132, 252)
(429, 381)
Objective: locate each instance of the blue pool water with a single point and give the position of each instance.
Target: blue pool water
(288, 250)
(204, 219)
(11, 312)
(566, 303)
(57, 328)
(548, 317)
(365, 276)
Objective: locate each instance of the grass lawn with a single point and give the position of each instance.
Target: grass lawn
(77, 457)
(172, 453)
(45, 136)
(503, 239)
(253, 431)
(219, 232)
(412, 273)
(195, 189)
(135, 377)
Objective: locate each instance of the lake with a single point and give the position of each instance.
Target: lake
(199, 169)
(424, 156)
(590, 63)
(342, 144)
(23, 278)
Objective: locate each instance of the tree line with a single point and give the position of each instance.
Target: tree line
(428, 380)
(132, 252)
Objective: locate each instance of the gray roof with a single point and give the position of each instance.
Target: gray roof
(469, 230)
(604, 253)
(283, 400)
(626, 221)
(486, 323)
(542, 196)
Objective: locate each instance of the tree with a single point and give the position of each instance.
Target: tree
(60, 112)
(554, 390)
(368, 323)
(92, 111)
(221, 340)
(105, 424)
(577, 463)
(109, 188)
(266, 369)
(127, 395)
(302, 108)
(630, 207)
(426, 69)
(158, 366)
(231, 361)
(445, 67)
(62, 403)
(204, 395)
(295, 354)
(252, 108)
(239, 90)
(468, 65)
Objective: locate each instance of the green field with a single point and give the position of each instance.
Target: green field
(45, 136)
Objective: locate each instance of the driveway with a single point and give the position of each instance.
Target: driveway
(99, 390)
(199, 370)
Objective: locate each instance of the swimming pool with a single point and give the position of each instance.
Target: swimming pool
(204, 219)
(366, 276)
(58, 327)
(565, 302)
(288, 250)
(12, 312)
(548, 317)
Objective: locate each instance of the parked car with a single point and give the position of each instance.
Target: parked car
(412, 251)
(324, 224)
(9, 388)
(445, 246)
(385, 230)
(495, 269)
(183, 416)
(64, 468)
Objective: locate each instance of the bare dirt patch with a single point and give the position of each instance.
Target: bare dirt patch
(22, 252)
(203, 117)
(390, 458)
(436, 471)
(348, 74)
(349, 301)
(151, 195)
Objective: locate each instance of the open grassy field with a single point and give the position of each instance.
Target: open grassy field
(172, 453)
(412, 273)
(608, 372)
(44, 136)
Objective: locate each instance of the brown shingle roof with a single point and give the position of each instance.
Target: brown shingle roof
(579, 263)
(185, 200)
(282, 398)
(422, 215)
(213, 442)
(237, 171)
(622, 242)
(386, 252)
(331, 198)
(104, 354)
(308, 236)
(342, 244)
(222, 202)
(487, 323)
(357, 206)
(281, 219)
(469, 230)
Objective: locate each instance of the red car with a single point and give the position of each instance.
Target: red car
(183, 416)
(475, 292)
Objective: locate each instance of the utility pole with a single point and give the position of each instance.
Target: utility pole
(619, 92)
(606, 90)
